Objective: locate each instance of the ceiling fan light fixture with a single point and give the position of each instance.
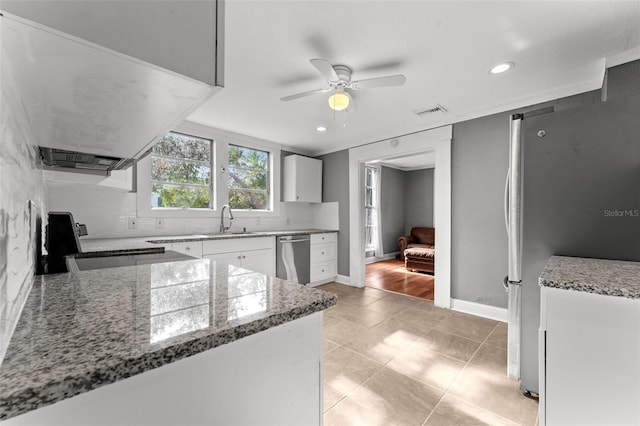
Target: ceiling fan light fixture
(338, 101)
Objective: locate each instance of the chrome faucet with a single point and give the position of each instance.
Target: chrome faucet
(222, 227)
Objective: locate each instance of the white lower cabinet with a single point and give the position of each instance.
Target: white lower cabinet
(255, 254)
(273, 377)
(589, 359)
(323, 258)
(255, 260)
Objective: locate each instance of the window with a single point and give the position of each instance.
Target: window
(181, 172)
(194, 170)
(371, 208)
(248, 178)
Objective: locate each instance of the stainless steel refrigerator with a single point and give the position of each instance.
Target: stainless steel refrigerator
(573, 189)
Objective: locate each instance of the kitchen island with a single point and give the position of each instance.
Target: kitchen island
(188, 342)
(589, 342)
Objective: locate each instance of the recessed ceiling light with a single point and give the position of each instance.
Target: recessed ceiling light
(321, 129)
(500, 68)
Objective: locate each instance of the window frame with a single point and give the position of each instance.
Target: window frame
(376, 231)
(221, 141)
(268, 172)
(212, 181)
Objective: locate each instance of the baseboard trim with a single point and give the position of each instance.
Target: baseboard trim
(343, 279)
(478, 309)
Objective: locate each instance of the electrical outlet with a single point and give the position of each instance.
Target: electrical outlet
(258, 221)
(133, 223)
(159, 223)
(288, 221)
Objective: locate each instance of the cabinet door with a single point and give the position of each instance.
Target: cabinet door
(302, 179)
(232, 258)
(323, 271)
(262, 261)
(323, 252)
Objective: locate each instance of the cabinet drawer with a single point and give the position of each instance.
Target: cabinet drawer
(191, 248)
(330, 237)
(323, 270)
(322, 252)
(237, 244)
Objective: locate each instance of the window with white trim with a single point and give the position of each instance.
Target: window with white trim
(194, 170)
(181, 175)
(248, 178)
(371, 208)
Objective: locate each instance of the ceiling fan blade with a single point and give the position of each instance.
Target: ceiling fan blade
(304, 94)
(325, 68)
(388, 81)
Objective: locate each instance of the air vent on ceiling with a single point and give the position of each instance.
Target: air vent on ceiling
(430, 110)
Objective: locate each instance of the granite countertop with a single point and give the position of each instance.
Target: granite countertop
(107, 245)
(600, 276)
(80, 331)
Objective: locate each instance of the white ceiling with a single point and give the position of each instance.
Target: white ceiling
(444, 49)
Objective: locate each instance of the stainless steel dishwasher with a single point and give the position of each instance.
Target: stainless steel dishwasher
(292, 258)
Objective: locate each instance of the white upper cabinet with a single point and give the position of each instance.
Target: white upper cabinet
(302, 179)
(105, 77)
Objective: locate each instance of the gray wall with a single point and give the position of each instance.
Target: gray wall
(335, 188)
(392, 207)
(418, 195)
(621, 81)
(479, 165)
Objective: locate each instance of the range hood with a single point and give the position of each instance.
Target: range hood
(89, 108)
(79, 162)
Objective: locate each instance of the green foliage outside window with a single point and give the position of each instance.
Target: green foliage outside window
(181, 175)
(248, 178)
(181, 172)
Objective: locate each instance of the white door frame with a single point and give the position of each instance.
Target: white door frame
(435, 140)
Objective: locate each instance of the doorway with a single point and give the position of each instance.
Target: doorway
(438, 143)
(398, 196)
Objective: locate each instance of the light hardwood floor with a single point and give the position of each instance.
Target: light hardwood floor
(391, 359)
(391, 275)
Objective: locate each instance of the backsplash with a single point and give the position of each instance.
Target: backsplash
(22, 203)
(106, 213)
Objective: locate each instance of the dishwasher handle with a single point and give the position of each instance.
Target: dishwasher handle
(293, 241)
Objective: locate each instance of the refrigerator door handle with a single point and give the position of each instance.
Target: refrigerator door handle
(515, 200)
(506, 201)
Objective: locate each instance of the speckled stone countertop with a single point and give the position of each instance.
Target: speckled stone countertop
(80, 331)
(138, 243)
(609, 277)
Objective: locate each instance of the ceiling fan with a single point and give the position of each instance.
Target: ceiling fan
(339, 79)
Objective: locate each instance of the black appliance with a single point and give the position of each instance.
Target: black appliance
(61, 239)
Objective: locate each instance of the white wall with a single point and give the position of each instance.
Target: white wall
(22, 201)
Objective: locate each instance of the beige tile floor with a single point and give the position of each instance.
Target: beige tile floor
(391, 359)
